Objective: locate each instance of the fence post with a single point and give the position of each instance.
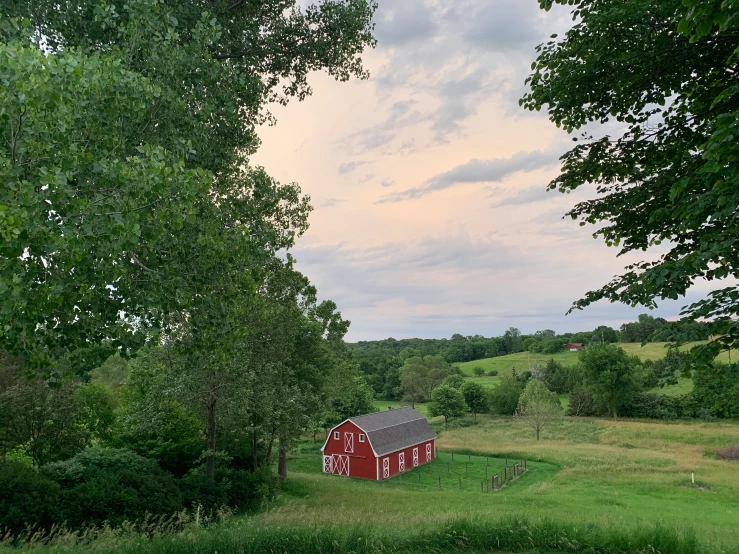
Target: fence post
(452, 456)
(469, 457)
(460, 483)
(486, 473)
(467, 470)
(447, 468)
(482, 490)
(419, 477)
(505, 474)
(439, 482)
(487, 461)
(524, 464)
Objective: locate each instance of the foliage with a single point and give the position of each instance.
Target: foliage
(581, 402)
(609, 374)
(479, 371)
(42, 419)
(448, 402)
(538, 406)
(512, 341)
(664, 73)
(96, 411)
(717, 390)
(492, 373)
(111, 485)
(233, 488)
(455, 381)
(27, 499)
(112, 374)
(476, 397)
(504, 397)
(419, 376)
(643, 329)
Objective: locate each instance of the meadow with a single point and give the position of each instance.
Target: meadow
(592, 485)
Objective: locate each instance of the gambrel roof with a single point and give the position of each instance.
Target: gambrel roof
(394, 429)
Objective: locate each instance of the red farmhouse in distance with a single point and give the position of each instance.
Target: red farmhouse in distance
(574, 346)
(380, 445)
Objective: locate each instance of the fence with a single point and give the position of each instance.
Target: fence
(462, 471)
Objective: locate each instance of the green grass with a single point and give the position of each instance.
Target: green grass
(383, 405)
(594, 485)
(683, 386)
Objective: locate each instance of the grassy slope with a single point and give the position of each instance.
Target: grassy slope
(623, 472)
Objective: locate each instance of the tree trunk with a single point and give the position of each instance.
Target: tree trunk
(268, 458)
(446, 426)
(282, 463)
(210, 465)
(537, 432)
(254, 458)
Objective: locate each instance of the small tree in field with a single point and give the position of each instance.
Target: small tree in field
(448, 402)
(476, 398)
(538, 406)
(479, 371)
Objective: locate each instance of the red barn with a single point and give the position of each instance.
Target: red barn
(380, 445)
(574, 346)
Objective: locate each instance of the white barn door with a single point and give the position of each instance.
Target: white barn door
(328, 464)
(385, 468)
(428, 452)
(349, 442)
(340, 465)
(415, 456)
(401, 461)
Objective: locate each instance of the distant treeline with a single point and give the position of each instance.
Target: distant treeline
(380, 360)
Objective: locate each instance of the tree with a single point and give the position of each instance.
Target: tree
(455, 381)
(604, 334)
(448, 402)
(642, 329)
(665, 73)
(476, 398)
(479, 371)
(419, 376)
(512, 341)
(150, 109)
(610, 376)
(504, 397)
(538, 406)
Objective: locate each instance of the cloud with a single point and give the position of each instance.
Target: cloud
(350, 166)
(387, 183)
(478, 171)
(401, 23)
(516, 197)
(331, 202)
(402, 115)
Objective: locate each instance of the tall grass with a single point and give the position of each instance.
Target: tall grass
(517, 534)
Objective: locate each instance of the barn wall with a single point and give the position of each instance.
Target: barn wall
(362, 461)
(394, 458)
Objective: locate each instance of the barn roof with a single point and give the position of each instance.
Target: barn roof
(394, 429)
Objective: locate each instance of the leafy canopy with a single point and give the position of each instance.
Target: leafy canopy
(664, 74)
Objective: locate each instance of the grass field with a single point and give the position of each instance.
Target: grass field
(382, 405)
(583, 471)
(523, 360)
(593, 486)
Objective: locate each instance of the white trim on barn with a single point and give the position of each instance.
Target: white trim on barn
(415, 456)
(386, 467)
(328, 466)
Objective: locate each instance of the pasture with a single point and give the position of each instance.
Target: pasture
(582, 471)
(593, 485)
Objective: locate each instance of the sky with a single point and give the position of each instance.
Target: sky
(429, 182)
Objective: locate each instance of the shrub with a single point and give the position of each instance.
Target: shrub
(504, 397)
(112, 485)
(26, 498)
(492, 373)
(479, 371)
(238, 489)
(730, 453)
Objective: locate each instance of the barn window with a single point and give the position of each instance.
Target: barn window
(336, 435)
(361, 437)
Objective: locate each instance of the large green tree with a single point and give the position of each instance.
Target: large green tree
(148, 207)
(448, 402)
(610, 376)
(663, 74)
(538, 406)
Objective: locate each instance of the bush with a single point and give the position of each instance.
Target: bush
(504, 397)
(26, 498)
(479, 371)
(112, 485)
(238, 489)
(730, 453)
(492, 373)
(656, 406)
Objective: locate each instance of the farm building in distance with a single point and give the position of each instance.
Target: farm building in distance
(574, 346)
(380, 445)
